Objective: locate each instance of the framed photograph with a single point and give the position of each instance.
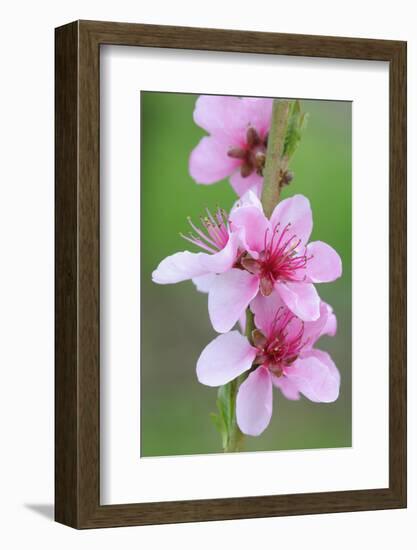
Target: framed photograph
(230, 274)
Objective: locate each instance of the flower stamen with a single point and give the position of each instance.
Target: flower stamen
(280, 261)
(214, 234)
(281, 348)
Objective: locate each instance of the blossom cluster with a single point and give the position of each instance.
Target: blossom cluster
(247, 261)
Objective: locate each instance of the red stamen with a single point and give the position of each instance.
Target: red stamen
(281, 348)
(280, 260)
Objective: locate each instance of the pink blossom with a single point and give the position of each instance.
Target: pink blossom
(247, 253)
(236, 144)
(281, 355)
(273, 255)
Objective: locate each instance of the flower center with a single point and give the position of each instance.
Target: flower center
(281, 349)
(214, 234)
(252, 154)
(280, 261)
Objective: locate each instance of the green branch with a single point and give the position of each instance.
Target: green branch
(287, 124)
(275, 162)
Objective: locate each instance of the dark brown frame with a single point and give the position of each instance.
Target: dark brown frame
(77, 371)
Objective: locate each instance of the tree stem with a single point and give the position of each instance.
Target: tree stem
(275, 164)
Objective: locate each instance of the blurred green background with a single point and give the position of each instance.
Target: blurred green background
(174, 320)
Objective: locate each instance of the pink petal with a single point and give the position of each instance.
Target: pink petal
(316, 376)
(301, 298)
(287, 386)
(204, 282)
(225, 358)
(265, 310)
(312, 330)
(231, 116)
(242, 185)
(296, 211)
(254, 402)
(229, 296)
(324, 265)
(179, 267)
(330, 327)
(209, 161)
(223, 260)
(218, 114)
(325, 358)
(258, 113)
(248, 199)
(254, 226)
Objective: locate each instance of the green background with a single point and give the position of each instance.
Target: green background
(175, 326)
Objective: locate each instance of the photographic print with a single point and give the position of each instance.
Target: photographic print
(212, 291)
(246, 292)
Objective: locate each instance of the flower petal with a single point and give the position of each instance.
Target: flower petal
(225, 358)
(312, 330)
(229, 296)
(287, 386)
(316, 376)
(325, 358)
(254, 402)
(253, 225)
(179, 267)
(204, 282)
(242, 185)
(324, 264)
(296, 211)
(248, 199)
(265, 309)
(223, 260)
(217, 114)
(209, 161)
(259, 113)
(231, 116)
(330, 327)
(301, 298)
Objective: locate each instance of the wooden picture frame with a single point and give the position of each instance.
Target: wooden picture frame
(77, 382)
